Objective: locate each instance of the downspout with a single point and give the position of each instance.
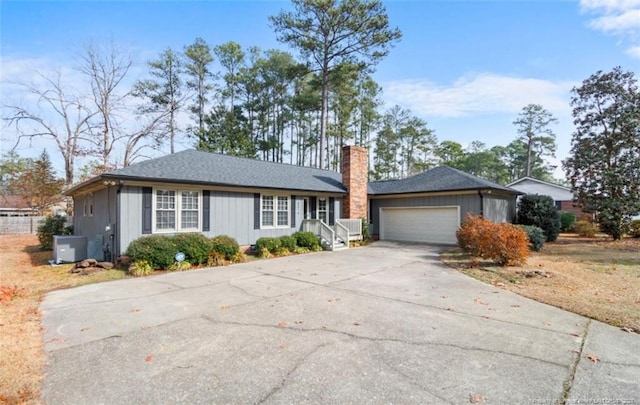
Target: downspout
(481, 203)
(116, 242)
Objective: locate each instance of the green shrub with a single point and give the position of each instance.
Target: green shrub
(179, 266)
(366, 232)
(540, 210)
(159, 251)
(536, 237)
(567, 220)
(195, 246)
(634, 228)
(270, 244)
(506, 244)
(307, 240)
(140, 268)
(50, 226)
(289, 243)
(585, 229)
(225, 245)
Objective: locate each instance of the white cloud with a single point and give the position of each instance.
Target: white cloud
(608, 5)
(616, 17)
(478, 94)
(634, 52)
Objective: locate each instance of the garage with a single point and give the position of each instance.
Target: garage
(420, 224)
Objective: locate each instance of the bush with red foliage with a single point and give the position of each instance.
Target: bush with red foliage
(506, 244)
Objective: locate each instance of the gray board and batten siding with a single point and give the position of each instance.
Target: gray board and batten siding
(92, 214)
(230, 213)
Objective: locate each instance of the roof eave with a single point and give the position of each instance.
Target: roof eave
(216, 184)
(512, 191)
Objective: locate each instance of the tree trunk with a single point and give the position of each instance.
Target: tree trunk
(324, 111)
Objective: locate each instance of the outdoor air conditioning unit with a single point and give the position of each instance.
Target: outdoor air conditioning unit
(69, 248)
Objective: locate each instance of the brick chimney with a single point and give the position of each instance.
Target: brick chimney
(354, 177)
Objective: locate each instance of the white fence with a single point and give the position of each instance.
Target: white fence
(19, 224)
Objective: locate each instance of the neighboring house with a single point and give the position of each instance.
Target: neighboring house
(15, 206)
(562, 196)
(194, 191)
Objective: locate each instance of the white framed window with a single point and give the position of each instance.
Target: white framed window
(322, 210)
(176, 210)
(275, 211)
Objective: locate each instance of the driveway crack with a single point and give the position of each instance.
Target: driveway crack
(568, 384)
(290, 372)
(383, 339)
(414, 382)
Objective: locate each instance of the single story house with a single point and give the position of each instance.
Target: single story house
(195, 191)
(562, 196)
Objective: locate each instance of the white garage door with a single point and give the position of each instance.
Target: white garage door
(420, 224)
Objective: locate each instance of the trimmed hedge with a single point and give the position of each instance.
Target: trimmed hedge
(195, 246)
(307, 240)
(289, 243)
(267, 244)
(226, 246)
(157, 250)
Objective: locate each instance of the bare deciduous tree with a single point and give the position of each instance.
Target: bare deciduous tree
(105, 68)
(59, 115)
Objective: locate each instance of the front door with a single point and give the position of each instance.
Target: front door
(307, 208)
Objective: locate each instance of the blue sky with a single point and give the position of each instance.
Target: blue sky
(467, 67)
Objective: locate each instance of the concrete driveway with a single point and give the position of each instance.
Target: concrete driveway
(381, 324)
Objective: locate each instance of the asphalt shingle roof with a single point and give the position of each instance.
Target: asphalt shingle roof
(192, 166)
(442, 178)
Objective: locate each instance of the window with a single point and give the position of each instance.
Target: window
(177, 210)
(322, 210)
(275, 211)
(87, 206)
(190, 212)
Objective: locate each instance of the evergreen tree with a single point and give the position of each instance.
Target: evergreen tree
(604, 164)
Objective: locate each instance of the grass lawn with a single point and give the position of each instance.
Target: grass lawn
(598, 278)
(24, 279)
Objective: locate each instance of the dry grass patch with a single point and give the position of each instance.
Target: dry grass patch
(598, 278)
(24, 279)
